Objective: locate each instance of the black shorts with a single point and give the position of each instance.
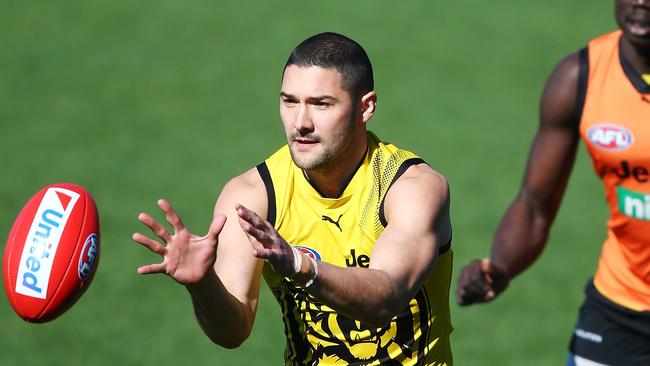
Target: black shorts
(609, 333)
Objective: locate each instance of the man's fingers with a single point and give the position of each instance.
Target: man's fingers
(155, 227)
(268, 244)
(152, 268)
(259, 251)
(490, 295)
(466, 296)
(481, 273)
(259, 235)
(171, 215)
(463, 298)
(216, 226)
(469, 297)
(475, 283)
(250, 216)
(486, 266)
(153, 245)
(477, 288)
(254, 226)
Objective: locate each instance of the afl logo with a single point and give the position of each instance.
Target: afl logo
(308, 252)
(88, 257)
(610, 137)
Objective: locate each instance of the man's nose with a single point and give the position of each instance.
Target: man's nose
(303, 119)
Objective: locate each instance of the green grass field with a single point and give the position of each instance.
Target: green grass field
(137, 100)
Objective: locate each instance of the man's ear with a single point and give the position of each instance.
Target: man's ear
(368, 105)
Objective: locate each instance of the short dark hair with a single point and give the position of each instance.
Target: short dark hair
(333, 50)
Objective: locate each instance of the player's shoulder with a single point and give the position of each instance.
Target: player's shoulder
(250, 180)
(560, 104)
(247, 189)
(423, 179)
(425, 172)
(420, 192)
(569, 66)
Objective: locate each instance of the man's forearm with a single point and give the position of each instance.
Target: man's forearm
(363, 294)
(520, 238)
(222, 317)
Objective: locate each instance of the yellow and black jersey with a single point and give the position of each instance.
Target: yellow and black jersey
(343, 231)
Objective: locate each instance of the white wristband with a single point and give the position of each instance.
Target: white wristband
(297, 260)
(314, 264)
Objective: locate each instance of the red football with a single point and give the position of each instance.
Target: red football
(52, 252)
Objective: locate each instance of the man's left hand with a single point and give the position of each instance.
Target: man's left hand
(267, 243)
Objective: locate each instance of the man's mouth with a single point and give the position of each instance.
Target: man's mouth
(638, 28)
(638, 21)
(305, 141)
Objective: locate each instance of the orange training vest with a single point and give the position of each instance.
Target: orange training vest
(615, 127)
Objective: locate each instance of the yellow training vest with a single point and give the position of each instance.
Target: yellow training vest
(342, 231)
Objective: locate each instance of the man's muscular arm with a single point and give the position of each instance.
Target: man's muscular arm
(524, 229)
(417, 211)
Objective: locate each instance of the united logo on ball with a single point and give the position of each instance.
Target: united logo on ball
(52, 252)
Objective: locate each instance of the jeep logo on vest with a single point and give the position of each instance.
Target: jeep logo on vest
(361, 260)
(633, 204)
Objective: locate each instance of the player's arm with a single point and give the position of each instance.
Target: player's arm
(218, 270)
(417, 210)
(524, 229)
(225, 302)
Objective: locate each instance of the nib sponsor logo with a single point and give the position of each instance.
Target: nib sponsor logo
(610, 137)
(633, 204)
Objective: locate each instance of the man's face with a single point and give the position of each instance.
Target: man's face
(633, 17)
(320, 118)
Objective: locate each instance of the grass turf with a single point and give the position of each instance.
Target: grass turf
(137, 100)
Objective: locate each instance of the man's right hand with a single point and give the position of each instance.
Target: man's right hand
(186, 257)
(480, 282)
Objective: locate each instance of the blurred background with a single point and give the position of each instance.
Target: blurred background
(137, 100)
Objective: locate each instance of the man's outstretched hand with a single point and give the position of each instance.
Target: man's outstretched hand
(186, 257)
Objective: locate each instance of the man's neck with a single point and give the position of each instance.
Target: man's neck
(331, 180)
(637, 57)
